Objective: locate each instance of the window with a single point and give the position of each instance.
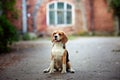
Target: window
(60, 13)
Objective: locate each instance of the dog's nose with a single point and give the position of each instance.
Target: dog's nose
(55, 37)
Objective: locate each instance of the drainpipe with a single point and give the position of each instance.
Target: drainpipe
(24, 16)
(92, 16)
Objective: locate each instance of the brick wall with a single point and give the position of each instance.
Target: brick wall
(41, 19)
(103, 20)
(30, 11)
(17, 22)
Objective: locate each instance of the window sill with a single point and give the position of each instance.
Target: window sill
(69, 25)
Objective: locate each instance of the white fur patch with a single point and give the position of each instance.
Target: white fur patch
(64, 68)
(51, 67)
(58, 51)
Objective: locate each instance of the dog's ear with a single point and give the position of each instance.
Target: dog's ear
(64, 39)
(52, 36)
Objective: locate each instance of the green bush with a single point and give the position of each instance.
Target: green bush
(26, 36)
(29, 36)
(8, 34)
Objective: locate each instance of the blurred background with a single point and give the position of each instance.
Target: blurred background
(30, 19)
(92, 27)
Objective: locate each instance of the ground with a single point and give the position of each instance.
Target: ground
(96, 58)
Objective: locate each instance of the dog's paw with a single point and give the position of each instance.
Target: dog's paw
(71, 71)
(63, 71)
(51, 71)
(46, 71)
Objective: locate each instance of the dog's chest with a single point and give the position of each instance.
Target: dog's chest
(58, 50)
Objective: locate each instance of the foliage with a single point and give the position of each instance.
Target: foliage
(8, 7)
(115, 5)
(26, 36)
(8, 33)
(29, 36)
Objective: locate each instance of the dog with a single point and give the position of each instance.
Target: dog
(59, 54)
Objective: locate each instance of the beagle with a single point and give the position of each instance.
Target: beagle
(59, 54)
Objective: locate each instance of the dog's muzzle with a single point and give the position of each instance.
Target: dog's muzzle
(56, 37)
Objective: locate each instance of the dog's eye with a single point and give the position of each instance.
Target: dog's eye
(54, 33)
(59, 34)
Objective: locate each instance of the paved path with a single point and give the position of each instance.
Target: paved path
(92, 58)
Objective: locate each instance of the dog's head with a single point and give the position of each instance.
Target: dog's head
(59, 36)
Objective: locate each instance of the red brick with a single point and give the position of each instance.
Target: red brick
(103, 20)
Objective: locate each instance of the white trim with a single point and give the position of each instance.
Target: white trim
(73, 14)
(47, 14)
(24, 17)
(55, 14)
(65, 14)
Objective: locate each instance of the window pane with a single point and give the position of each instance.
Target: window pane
(69, 6)
(60, 5)
(52, 17)
(69, 17)
(60, 17)
(51, 6)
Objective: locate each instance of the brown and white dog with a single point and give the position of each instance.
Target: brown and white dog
(59, 55)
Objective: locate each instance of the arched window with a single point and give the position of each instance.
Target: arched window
(60, 13)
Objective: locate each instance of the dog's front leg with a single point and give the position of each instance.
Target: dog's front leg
(51, 67)
(64, 63)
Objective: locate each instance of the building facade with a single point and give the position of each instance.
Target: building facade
(71, 16)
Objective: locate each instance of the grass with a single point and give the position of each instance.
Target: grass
(72, 37)
(26, 36)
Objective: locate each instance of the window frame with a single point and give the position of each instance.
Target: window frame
(65, 10)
